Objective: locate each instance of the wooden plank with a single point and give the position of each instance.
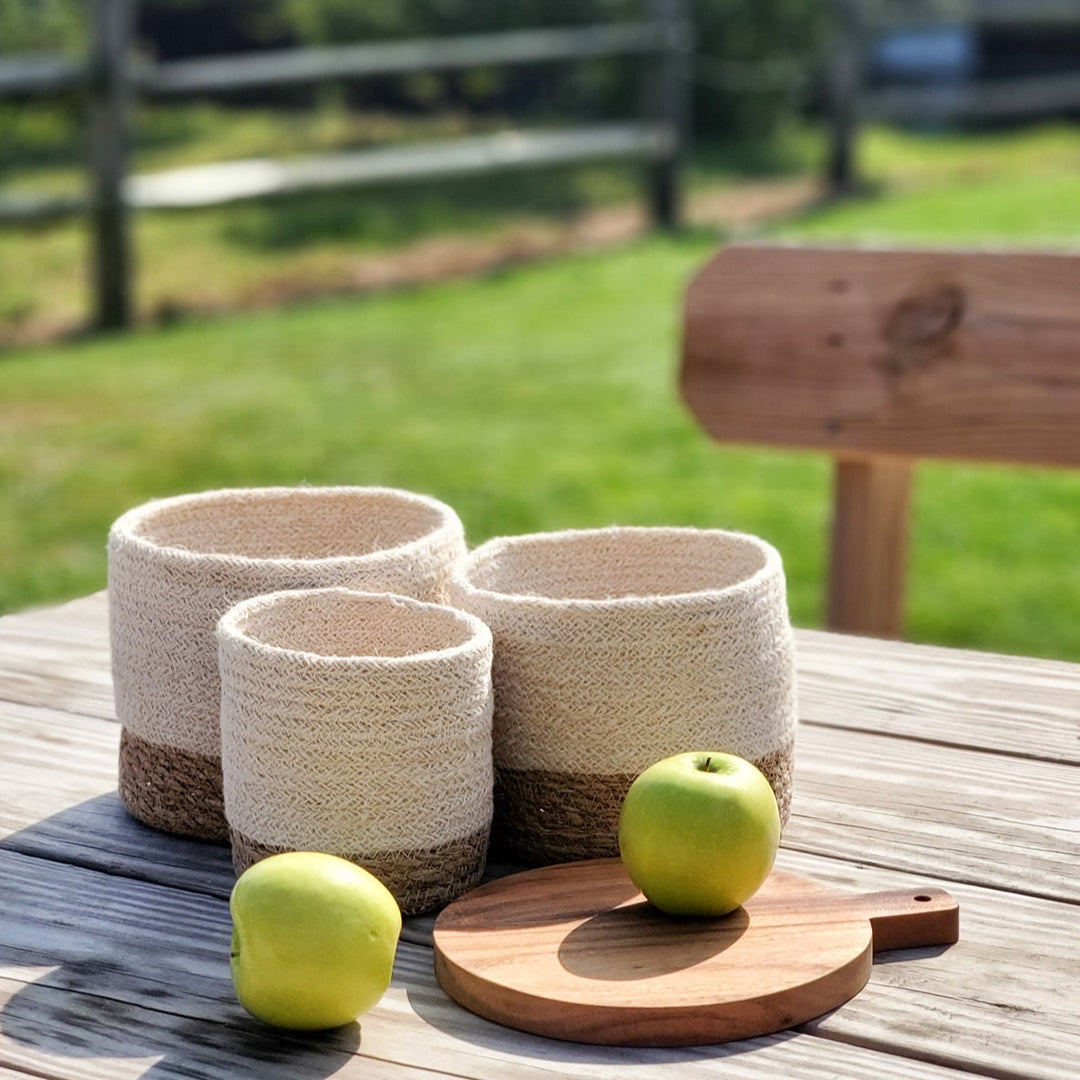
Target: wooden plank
(77, 1036)
(907, 803)
(291, 66)
(208, 185)
(59, 657)
(54, 1033)
(84, 956)
(868, 565)
(99, 976)
(930, 809)
(948, 354)
(1009, 705)
(59, 801)
(960, 815)
(785, 1054)
(970, 1006)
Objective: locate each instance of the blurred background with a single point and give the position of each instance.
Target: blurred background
(442, 244)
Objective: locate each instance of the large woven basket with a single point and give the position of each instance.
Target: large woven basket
(615, 648)
(176, 565)
(359, 724)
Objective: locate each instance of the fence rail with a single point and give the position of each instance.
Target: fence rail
(109, 80)
(852, 102)
(1000, 99)
(42, 75)
(982, 12)
(291, 66)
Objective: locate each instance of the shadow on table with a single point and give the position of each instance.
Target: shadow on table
(897, 956)
(436, 1009)
(127, 943)
(130, 963)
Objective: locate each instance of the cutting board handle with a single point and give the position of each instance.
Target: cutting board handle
(909, 918)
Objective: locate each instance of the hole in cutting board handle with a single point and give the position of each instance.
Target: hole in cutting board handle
(905, 920)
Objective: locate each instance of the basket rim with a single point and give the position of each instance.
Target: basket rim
(229, 630)
(772, 565)
(124, 527)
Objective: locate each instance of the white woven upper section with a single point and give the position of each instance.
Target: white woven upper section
(617, 647)
(176, 565)
(355, 722)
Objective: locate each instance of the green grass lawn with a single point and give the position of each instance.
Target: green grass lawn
(537, 398)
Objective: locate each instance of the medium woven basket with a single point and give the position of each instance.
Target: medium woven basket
(615, 648)
(359, 724)
(176, 565)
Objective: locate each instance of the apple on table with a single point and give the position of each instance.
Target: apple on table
(314, 938)
(699, 833)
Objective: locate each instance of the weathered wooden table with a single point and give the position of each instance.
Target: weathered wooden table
(915, 765)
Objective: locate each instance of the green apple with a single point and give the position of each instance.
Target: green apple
(698, 833)
(314, 938)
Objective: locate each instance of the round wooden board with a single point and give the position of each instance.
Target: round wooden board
(575, 952)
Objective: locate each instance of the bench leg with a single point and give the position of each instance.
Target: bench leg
(869, 546)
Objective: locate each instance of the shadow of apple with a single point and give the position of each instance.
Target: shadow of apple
(96, 965)
(660, 944)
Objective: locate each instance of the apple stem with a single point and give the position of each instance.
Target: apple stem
(708, 762)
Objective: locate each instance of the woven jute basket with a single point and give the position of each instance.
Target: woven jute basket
(177, 564)
(359, 724)
(615, 648)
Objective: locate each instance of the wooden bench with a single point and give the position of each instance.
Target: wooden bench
(881, 358)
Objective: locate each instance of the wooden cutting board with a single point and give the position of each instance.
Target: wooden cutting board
(576, 952)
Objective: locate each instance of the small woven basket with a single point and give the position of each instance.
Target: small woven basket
(615, 648)
(359, 724)
(176, 565)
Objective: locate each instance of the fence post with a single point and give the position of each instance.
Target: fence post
(110, 93)
(845, 64)
(668, 106)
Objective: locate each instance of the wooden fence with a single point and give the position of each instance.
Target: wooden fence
(852, 101)
(108, 81)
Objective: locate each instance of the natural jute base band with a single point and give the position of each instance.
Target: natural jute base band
(172, 789)
(420, 880)
(547, 817)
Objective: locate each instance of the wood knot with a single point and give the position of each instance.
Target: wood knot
(926, 319)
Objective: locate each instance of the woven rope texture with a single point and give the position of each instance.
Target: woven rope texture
(176, 565)
(359, 724)
(615, 648)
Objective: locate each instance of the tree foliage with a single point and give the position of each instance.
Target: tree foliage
(753, 62)
(37, 26)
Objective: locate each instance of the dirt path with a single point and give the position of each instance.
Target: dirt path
(736, 211)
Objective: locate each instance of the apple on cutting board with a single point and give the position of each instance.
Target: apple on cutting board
(699, 832)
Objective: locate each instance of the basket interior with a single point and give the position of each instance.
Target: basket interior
(341, 624)
(618, 564)
(295, 524)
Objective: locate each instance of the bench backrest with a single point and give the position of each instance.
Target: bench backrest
(880, 358)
